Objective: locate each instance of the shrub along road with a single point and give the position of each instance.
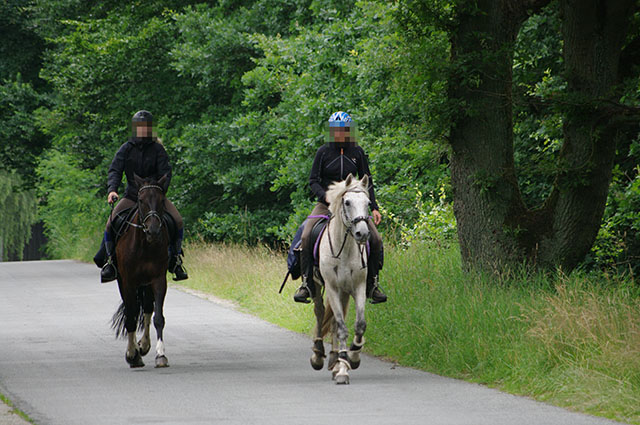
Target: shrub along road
(60, 364)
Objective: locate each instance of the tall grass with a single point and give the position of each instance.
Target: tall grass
(571, 341)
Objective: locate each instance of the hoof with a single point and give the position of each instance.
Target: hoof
(136, 361)
(316, 363)
(144, 349)
(162, 361)
(342, 379)
(341, 371)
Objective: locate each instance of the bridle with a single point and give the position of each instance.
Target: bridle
(151, 213)
(349, 223)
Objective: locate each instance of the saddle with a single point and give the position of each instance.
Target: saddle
(293, 257)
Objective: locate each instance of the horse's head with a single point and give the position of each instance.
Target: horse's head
(350, 201)
(151, 206)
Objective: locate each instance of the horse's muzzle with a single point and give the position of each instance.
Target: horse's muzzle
(154, 235)
(361, 235)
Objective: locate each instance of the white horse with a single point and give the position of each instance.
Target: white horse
(343, 268)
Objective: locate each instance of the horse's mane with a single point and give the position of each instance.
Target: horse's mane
(337, 190)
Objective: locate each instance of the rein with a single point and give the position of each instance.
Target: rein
(347, 232)
(152, 213)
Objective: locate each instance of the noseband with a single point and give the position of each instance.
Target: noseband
(152, 213)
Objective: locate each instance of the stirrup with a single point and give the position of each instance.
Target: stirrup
(302, 295)
(376, 295)
(179, 270)
(105, 276)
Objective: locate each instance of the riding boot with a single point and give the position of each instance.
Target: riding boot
(373, 289)
(109, 271)
(306, 289)
(101, 256)
(175, 258)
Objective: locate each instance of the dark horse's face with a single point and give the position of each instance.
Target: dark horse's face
(151, 206)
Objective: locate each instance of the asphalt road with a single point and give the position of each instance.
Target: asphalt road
(60, 364)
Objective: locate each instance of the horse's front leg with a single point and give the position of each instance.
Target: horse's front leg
(360, 325)
(159, 292)
(317, 358)
(342, 366)
(144, 344)
(131, 312)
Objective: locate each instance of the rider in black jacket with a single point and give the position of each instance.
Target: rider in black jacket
(143, 155)
(333, 162)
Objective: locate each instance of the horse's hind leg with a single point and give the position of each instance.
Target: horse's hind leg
(317, 358)
(159, 292)
(361, 326)
(144, 344)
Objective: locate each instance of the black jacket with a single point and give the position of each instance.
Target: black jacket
(142, 156)
(333, 164)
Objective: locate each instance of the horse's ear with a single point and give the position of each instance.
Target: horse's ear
(348, 181)
(138, 180)
(164, 183)
(365, 181)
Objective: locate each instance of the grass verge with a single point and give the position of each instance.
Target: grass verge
(570, 341)
(15, 410)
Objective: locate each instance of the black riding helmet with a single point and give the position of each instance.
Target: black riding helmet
(142, 116)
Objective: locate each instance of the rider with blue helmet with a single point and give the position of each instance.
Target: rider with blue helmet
(333, 162)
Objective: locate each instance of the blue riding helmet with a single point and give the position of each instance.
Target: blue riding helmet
(340, 119)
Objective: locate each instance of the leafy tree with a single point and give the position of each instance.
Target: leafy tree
(495, 227)
(18, 208)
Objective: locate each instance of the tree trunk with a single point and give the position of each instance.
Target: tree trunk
(486, 193)
(594, 32)
(495, 229)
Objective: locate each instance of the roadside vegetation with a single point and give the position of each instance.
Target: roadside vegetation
(572, 341)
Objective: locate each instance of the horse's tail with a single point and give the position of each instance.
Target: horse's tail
(118, 321)
(327, 320)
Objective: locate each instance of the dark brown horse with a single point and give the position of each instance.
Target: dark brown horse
(141, 253)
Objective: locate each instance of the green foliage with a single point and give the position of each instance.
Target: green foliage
(618, 244)
(18, 212)
(73, 219)
(240, 90)
(21, 141)
(20, 46)
(435, 223)
(537, 83)
(245, 226)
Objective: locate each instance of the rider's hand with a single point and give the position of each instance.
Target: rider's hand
(113, 197)
(377, 218)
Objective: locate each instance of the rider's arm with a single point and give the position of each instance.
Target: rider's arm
(315, 178)
(114, 176)
(363, 169)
